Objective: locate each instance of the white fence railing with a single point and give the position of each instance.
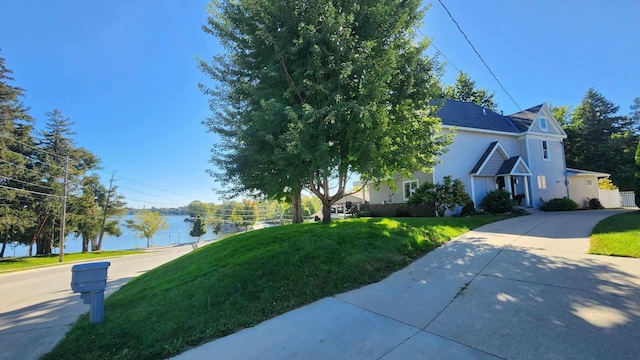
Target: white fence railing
(628, 198)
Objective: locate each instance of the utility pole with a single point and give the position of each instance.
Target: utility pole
(64, 207)
(104, 214)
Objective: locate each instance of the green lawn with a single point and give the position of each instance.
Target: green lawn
(24, 263)
(618, 235)
(245, 279)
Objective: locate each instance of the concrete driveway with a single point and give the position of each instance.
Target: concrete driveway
(522, 288)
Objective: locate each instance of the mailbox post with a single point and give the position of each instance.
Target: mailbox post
(90, 280)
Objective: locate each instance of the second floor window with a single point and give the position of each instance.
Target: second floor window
(545, 150)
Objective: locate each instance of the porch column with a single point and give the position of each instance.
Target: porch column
(473, 191)
(508, 184)
(527, 200)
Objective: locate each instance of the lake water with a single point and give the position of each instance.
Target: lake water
(178, 232)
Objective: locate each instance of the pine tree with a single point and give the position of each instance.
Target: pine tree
(16, 162)
(465, 90)
(199, 228)
(601, 140)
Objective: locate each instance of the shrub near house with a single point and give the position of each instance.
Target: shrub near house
(497, 202)
(558, 204)
(446, 195)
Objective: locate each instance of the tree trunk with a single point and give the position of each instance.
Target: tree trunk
(94, 244)
(326, 212)
(85, 244)
(37, 234)
(296, 207)
(148, 240)
(4, 246)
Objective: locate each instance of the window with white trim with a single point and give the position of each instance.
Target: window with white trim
(545, 150)
(408, 188)
(589, 182)
(543, 124)
(542, 182)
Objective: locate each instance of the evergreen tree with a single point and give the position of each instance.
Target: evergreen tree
(600, 140)
(199, 227)
(58, 154)
(465, 90)
(16, 162)
(311, 92)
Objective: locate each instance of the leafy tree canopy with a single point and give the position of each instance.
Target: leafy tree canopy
(313, 91)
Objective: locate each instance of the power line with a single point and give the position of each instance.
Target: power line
(34, 160)
(24, 167)
(477, 53)
(144, 193)
(28, 183)
(431, 43)
(29, 191)
(32, 146)
(154, 187)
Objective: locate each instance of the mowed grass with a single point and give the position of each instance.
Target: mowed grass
(618, 235)
(248, 278)
(24, 263)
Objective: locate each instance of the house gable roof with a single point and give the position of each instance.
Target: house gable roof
(470, 115)
(487, 156)
(523, 119)
(514, 166)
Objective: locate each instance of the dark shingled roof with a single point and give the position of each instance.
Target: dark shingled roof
(523, 119)
(483, 158)
(470, 115)
(507, 166)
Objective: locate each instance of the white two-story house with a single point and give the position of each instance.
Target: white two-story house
(522, 153)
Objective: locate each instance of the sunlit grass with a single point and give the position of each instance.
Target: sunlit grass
(243, 280)
(24, 263)
(618, 235)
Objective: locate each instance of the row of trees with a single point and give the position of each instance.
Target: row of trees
(601, 139)
(35, 168)
(246, 212)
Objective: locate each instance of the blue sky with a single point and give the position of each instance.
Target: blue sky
(125, 72)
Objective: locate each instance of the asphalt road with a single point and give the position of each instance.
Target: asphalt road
(37, 307)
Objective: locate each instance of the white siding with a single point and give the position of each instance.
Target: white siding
(388, 195)
(465, 152)
(580, 191)
(553, 169)
(553, 128)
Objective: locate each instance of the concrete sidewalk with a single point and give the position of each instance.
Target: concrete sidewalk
(522, 288)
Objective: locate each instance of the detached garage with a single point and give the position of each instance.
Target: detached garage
(583, 185)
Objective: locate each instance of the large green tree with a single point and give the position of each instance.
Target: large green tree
(89, 219)
(312, 91)
(59, 154)
(465, 90)
(600, 139)
(17, 176)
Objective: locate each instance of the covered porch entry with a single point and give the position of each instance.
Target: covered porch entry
(497, 170)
